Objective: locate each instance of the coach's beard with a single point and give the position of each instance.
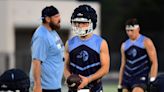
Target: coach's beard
(54, 26)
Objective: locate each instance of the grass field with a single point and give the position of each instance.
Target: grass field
(110, 88)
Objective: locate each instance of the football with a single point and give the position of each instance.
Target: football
(73, 81)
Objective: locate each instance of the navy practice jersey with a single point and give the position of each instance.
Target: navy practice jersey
(84, 55)
(137, 60)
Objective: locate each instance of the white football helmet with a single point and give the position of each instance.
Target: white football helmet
(83, 14)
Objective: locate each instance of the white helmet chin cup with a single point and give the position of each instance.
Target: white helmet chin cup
(82, 31)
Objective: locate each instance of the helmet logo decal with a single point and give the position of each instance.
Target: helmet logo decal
(79, 14)
(83, 55)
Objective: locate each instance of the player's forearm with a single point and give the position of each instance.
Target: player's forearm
(150, 48)
(154, 65)
(120, 75)
(122, 64)
(37, 73)
(154, 69)
(99, 74)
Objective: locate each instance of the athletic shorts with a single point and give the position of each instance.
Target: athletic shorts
(141, 82)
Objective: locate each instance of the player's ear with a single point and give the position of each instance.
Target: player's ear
(47, 19)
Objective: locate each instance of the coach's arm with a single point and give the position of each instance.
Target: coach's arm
(37, 75)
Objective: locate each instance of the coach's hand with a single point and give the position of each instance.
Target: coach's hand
(84, 82)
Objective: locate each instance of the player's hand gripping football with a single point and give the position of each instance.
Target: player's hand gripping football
(73, 81)
(84, 82)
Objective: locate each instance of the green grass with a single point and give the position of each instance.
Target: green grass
(110, 88)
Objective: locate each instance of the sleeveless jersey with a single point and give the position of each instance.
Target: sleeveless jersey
(84, 55)
(137, 60)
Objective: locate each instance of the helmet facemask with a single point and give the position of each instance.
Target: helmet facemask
(84, 30)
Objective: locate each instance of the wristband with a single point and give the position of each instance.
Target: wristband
(152, 79)
(119, 86)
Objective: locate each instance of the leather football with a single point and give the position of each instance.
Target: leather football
(73, 81)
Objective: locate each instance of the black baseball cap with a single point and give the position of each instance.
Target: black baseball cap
(49, 11)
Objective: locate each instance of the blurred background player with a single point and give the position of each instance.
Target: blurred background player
(47, 53)
(139, 60)
(86, 54)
